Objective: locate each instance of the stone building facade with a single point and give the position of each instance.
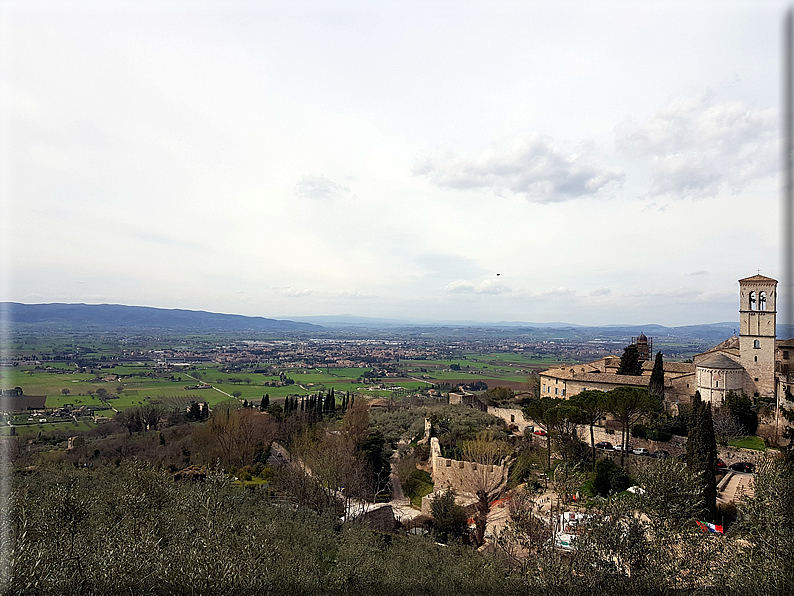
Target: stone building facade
(755, 362)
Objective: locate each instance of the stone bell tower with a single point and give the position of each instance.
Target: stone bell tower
(757, 324)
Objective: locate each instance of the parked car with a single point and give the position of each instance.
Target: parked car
(540, 432)
(604, 445)
(640, 451)
(742, 466)
(620, 448)
(660, 454)
(721, 465)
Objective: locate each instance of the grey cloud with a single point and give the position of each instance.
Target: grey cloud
(698, 145)
(701, 272)
(319, 187)
(535, 168)
(601, 292)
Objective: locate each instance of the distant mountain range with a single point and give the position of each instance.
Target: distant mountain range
(709, 331)
(120, 317)
(116, 317)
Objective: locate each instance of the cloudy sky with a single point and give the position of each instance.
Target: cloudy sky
(594, 163)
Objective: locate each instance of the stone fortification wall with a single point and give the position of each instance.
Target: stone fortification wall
(511, 416)
(461, 476)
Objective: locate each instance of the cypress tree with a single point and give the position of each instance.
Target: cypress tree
(656, 385)
(701, 452)
(630, 361)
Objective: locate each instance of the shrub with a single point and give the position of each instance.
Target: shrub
(610, 478)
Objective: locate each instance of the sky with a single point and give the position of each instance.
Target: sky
(593, 163)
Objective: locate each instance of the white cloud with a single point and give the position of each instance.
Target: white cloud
(699, 145)
(488, 286)
(601, 292)
(319, 187)
(534, 167)
(294, 293)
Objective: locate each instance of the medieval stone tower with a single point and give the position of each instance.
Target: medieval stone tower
(757, 320)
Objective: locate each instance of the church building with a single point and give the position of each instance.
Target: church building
(755, 363)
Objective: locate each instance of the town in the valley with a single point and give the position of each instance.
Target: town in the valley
(530, 450)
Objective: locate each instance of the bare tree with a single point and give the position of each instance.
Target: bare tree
(483, 479)
(150, 416)
(525, 531)
(726, 426)
(565, 480)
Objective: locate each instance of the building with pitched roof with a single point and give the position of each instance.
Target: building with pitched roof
(755, 362)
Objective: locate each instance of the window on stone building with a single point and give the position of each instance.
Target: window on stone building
(762, 301)
(756, 344)
(753, 305)
(785, 354)
(756, 358)
(716, 383)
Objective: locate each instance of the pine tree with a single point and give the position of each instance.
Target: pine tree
(656, 385)
(262, 406)
(630, 361)
(701, 451)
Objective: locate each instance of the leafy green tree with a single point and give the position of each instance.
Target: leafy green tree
(629, 405)
(592, 405)
(701, 452)
(610, 478)
(656, 385)
(630, 361)
(449, 518)
(562, 421)
(540, 411)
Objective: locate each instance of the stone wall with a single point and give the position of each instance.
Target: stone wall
(462, 476)
(511, 416)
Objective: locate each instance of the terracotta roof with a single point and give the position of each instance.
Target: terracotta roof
(596, 377)
(679, 368)
(758, 278)
(719, 360)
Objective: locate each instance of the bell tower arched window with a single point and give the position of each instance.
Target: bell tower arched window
(756, 344)
(753, 305)
(762, 301)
